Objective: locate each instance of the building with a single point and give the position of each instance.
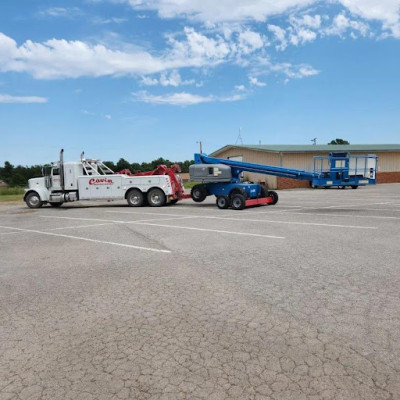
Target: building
(302, 157)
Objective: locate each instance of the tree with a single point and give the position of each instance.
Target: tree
(122, 164)
(339, 141)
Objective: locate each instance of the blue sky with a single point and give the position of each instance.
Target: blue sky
(143, 79)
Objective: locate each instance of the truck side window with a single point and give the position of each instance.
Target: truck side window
(55, 171)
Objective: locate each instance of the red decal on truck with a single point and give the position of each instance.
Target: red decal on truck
(100, 181)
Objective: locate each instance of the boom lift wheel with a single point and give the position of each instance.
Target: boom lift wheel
(156, 197)
(223, 202)
(198, 193)
(33, 200)
(274, 196)
(238, 202)
(354, 187)
(135, 198)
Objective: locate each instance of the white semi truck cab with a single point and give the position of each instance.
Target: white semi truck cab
(90, 179)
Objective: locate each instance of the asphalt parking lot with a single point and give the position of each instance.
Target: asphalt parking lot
(295, 301)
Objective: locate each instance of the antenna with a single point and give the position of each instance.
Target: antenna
(314, 141)
(239, 138)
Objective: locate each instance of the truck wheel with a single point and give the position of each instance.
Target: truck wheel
(198, 193)
(56, 204)
(238, 202)
(274, 196)
(223, 202)
(156, 197)
(135, 198)
(33, 200)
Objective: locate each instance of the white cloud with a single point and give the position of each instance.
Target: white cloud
(6, 98)
(147, 81)
(219, 11)
(182, 98)
(279, 35)
(255, 82)
(174, 79)
(107, 116)
(250, 41)
(240, 88)
(341, 24)
(60, 12)
(106, 21)
(386, 11)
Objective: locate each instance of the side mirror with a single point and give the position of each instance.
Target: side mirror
(43, 171)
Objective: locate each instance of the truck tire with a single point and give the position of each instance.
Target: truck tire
(174, 201)
(156, 197)
(55, 204)
(274, 196)
(223, 202)
(135, 198)
(238, 202)
(32, 200)
(198, 193)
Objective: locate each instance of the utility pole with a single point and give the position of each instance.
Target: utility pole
(201, 146)
(314, 141)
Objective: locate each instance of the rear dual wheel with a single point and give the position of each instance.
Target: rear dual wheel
(156, 197)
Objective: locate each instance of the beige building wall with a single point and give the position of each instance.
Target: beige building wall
(257, 157)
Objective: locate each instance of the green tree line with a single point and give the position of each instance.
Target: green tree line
(19, 175)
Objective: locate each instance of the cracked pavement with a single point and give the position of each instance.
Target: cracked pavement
(312, 314)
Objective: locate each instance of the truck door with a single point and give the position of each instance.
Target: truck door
(55, 178)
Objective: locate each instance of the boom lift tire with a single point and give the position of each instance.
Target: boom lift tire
(135, 198)
(223, 202)
(198, 193)
(274, 196)
(33, 200)
(354, 187)
(238, 202)
(156, 197)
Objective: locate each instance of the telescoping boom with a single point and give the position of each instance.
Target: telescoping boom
(223, 177)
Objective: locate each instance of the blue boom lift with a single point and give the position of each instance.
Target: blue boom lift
(222, 177)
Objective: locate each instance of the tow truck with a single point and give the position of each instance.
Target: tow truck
(91, 179)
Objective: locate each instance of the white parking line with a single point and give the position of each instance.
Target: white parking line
(296, 223)
(270, 221)
(176, 227)
(334, 215)
(212, 230)
(88, 240)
